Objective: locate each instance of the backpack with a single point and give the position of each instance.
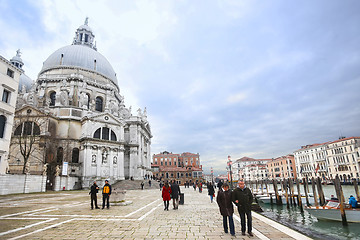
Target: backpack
(106, 189)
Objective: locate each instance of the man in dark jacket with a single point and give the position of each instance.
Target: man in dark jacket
(106, 194)
(93, 194)
(243, 198)
(223, 199)
(175, 191)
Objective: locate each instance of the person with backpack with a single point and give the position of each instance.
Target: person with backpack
(106, 194)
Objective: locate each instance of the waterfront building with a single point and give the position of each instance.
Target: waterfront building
(239, 165)
(180, 167)
(9, 79)
(311, 161)
(82, 128)
(282, 167)
(343, 158)
(255, 172)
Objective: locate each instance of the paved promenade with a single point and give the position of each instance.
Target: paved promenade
(67, 215)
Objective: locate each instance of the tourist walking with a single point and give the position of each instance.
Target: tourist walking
(142, 185)
(211, 191)
(223, 199)
(166, 192)
(200, 187)
(149, 183)
(106, 192)
(94, 189)
(175, 191)
(243, 198)
(194, 186)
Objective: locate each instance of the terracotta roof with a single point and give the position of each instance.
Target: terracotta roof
(178, 169)
(344, 139)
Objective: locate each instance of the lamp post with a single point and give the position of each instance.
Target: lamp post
(229, 165)
(212, 176)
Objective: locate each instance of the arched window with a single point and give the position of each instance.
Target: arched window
(27, 128)
(105, 134)
(52, 98)
(59, 155)
(99, 104)
(2, 125)
(75, 155)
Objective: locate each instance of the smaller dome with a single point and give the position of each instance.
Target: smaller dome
(25, 83)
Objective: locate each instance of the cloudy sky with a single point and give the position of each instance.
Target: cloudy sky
(218, 78)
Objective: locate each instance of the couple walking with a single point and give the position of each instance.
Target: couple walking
(169, 192)
(242, 198)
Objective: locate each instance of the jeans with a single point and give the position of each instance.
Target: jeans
(211, 198)
(176, 203)
(106, 198)
(231, 224)
(243, 221)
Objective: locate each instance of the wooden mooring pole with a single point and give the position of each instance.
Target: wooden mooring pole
(278, 200)
(356, 190)
(320, 190)
(314, 192)
(286, 192)
(340, 196)
(292, 197)
(299, 195)
(306, 187)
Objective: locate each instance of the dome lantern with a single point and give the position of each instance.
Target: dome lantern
(84, 35)
(16, 60)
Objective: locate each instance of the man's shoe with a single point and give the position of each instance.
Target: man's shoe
(226, 231)
(243, 233)
(97, 208)
(250, 234)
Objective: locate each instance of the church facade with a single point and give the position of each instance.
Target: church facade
(79, 121)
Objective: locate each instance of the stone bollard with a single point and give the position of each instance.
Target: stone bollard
(117, 198)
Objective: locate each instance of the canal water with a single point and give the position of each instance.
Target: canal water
(310, 225)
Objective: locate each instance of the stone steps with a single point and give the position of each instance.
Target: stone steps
(135, 184)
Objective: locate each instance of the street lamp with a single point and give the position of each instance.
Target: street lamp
(229, 165)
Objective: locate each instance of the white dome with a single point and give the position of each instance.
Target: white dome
(81, 56)
(26, 82)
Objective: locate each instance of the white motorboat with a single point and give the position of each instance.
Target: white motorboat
(331, 211)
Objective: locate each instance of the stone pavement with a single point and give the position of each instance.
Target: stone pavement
(67, 215)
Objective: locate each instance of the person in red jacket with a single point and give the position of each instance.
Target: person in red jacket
(166, 191)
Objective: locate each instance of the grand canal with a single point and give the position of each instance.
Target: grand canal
(306, 223)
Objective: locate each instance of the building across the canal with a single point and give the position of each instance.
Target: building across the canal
(282, 167)
(77, 119)
(184, 167)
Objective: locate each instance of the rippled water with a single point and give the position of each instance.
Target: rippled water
(306, 223)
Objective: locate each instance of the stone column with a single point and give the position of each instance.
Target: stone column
(57, 183)
(98, 162)
(134, 163)
(121, 174)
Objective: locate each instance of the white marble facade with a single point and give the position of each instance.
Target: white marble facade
(78, 87)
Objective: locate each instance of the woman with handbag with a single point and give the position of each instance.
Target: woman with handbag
(211, 191)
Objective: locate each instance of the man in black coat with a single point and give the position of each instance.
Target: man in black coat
(243, 198)
(175, 191)
(226, 208)
(93, 191)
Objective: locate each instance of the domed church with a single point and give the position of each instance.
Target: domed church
(76, 123)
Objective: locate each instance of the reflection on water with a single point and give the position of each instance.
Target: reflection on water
(306, 223)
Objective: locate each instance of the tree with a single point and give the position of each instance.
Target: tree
(27, 137)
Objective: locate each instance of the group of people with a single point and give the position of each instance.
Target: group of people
(242, 198)
(106, 192)
(171, 191)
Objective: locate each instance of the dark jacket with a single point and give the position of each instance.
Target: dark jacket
(220, 184)
(109, 189)
(223, 199)
(175, 190)
(94, 189)
(245, 198)
(211, 190)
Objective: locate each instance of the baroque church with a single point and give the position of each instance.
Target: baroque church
(73, 123)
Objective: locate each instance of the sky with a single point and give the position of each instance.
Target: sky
(231, 77)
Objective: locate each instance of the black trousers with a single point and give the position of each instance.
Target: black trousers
(243, 221)
(93, 200)
(106, 198)
(166, 204)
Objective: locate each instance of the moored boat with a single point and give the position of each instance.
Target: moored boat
(331, 211)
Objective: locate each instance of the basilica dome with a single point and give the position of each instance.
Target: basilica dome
(81, 54)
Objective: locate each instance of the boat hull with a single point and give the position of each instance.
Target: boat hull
(352, 215)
